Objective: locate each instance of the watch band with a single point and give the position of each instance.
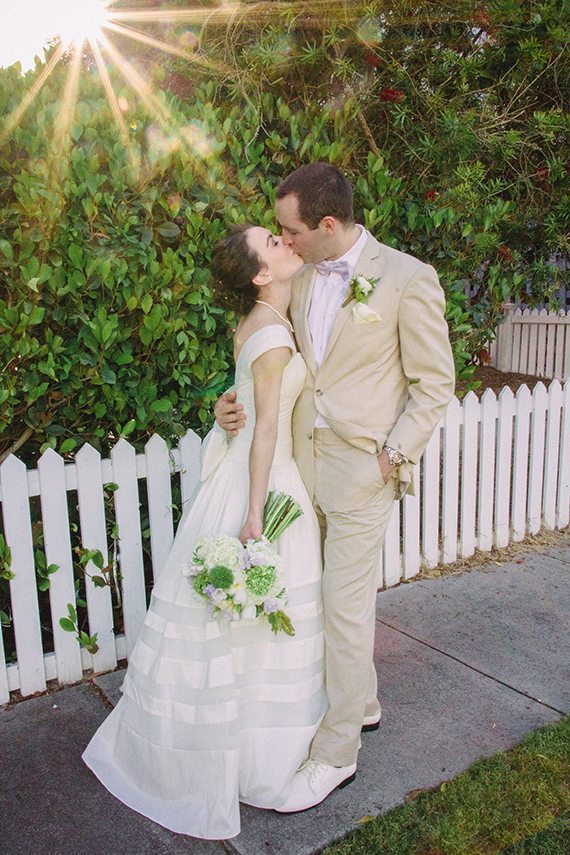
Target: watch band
(395, 457)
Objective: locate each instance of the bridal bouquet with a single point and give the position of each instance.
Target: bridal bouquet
(245, 581)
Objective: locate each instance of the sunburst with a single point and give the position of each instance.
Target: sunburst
(81, 24)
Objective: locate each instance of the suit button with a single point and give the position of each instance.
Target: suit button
(309, 436)
(318, 392)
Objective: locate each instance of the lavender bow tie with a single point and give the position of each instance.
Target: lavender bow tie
(341, 268)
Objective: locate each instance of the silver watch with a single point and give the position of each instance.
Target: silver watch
(395, 457)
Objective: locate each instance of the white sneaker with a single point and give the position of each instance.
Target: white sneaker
(371, 722)
(313, 783)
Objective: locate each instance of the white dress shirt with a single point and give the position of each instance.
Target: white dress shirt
(329, 292)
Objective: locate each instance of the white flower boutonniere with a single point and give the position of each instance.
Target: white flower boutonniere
(359, 289)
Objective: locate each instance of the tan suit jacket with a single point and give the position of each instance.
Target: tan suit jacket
(386, 381)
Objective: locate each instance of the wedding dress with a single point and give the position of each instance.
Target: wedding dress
(214, 712)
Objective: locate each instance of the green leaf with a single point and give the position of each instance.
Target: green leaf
(98, 581)
(128, 428)
(108, 375)
(170, 231)
(67, 624)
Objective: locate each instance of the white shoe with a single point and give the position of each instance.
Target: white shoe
(313, 783)
(371, 722)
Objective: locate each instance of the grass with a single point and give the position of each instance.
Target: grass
(513, 803)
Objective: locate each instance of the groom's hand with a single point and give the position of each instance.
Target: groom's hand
(229, 414)
(386, 469)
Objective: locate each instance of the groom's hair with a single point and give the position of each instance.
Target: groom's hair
(322, 191)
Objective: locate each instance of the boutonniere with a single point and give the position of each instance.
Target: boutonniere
(359, 289)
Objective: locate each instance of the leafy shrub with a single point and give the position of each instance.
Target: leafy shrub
(449, 124)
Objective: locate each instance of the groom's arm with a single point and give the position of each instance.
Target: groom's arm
(427, 362)
(229, 414)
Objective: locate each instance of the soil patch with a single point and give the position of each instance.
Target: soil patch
(491, 378)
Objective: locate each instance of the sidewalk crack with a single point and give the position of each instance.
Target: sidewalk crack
(472, 667)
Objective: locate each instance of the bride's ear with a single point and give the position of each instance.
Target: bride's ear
(264, 277)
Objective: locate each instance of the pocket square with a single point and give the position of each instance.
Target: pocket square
(363, 314)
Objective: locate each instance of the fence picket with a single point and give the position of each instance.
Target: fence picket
(468, 474)
(159, 501)
(541, 344)
(451, 430)
(131, 566)
(94, 536)
(506, 409)
(559, 352)
(430, 501)
(4, 688)
(57, 543)
(551, 456)
(189, 464)
(23, 594)
(486, 482)
(563, 496)
(525, 334)
(411, 528)
(523, 407)
(516, 346)
(536, 467)
(531, 367)
(550, 346)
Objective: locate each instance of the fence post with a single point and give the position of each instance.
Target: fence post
(505, 339)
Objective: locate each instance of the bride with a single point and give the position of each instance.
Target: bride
(216, 712)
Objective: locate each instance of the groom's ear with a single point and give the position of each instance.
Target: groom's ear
(328, 224)
(264, 277)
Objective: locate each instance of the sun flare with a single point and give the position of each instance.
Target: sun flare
(76, 22)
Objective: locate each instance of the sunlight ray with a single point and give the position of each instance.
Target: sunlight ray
(61, 143)
(14, 117)
(155, 106)
(136, 35)
(190, 16)
(113, 100)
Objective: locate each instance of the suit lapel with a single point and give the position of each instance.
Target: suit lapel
(304, 290)
(368, 265)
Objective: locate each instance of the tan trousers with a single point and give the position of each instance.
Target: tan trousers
(353, 506)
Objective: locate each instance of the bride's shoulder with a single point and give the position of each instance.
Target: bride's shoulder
(261, 337)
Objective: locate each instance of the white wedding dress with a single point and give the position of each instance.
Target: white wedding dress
(215, 712)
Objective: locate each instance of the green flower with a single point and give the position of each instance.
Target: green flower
(260, 580)
(220, 577)
(200, 582)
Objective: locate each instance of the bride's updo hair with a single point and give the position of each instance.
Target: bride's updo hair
(234, 265)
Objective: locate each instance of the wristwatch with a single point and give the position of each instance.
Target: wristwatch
(395, 457)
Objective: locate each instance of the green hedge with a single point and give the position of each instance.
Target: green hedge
(449, 125)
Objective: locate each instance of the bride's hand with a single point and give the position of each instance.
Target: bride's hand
(229, 414)
(252, 528)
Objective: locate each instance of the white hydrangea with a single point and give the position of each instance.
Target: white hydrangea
(224, 550)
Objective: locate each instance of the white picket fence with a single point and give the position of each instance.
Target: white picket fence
(495, 470)
(533, 341)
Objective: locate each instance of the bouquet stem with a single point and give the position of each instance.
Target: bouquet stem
(280, 511)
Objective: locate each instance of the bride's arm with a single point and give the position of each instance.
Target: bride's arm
(267, 372)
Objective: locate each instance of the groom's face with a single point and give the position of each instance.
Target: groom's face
(310, 244)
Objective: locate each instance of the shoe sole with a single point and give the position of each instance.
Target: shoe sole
(367, 728)
(340, 786)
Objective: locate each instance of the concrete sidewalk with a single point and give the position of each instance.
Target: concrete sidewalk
(467, 666)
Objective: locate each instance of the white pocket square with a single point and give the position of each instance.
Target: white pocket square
(363, 314)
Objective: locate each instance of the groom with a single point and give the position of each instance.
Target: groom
(380, 373)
